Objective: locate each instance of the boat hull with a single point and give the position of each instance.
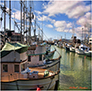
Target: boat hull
(45, 84)
(72, 49)
(67, 49)
(89, 54)
(53, 66)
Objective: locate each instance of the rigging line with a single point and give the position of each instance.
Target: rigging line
(13, 20)
(1, 20)
(42, 31)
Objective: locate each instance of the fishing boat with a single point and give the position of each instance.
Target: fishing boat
(67, 47)
(44, 58)
(88, 53)
(72, 48)
(60, 45)
(82, 49)
(16, 75)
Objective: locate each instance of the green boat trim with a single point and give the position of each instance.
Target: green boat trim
(37, 54)
(9, 47)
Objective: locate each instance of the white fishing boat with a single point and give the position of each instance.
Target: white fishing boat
(72, 48)
(60, 45)
(88, 53)
(67, 47)
(44, 59)
(81, 50)
(16, 75)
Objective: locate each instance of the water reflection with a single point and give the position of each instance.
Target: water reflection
(75, 71)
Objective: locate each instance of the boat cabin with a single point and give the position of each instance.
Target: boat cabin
(36, 57)
(13, 59)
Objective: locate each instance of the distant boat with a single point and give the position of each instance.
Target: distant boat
(89, 53)
(67, 47)
(72, 49)
(60, 45)
(55, 44)
(81, 50)
(42, 57)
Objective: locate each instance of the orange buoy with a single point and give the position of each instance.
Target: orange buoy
(38, 88)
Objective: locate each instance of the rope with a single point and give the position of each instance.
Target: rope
(42, 31)
(57, 51)
(50, 84)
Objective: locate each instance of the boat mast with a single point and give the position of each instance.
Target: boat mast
(30, 19)
(35, 29)
(82, 35)
(73, 29)
(26, 21)
(4, 18)
(10, 15)
(21, 19)
(42, 30)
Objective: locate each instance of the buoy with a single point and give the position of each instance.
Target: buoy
(84, 56)
(38, 88)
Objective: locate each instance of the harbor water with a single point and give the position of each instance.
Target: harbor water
(75, 71)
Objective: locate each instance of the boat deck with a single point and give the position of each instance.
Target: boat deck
(18, 76)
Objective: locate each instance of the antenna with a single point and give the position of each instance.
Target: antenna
(73, 28)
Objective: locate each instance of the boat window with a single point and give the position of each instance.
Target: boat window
(16, 68)
(22, 67)
(33, 76)
(40, 57)
(5, 68)
(29, 58)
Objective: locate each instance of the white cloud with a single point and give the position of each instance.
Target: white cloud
(16, 15)
(50, 26)
(60, 29)
(44, 18)
(63, 26)
(66, 30)
(71, 31)
(73, 9)
(69, 25)
(85, 21)
(78, 11)
(82, 30)
(60, 24)
(52, 21)
(38, 12)
(2, 3)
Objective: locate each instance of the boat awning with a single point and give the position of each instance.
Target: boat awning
(8, 47)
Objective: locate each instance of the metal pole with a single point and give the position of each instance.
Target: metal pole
(35, 30)
(26, 22)
(4, 17)
(30, 23)
(21, 19)
(10, 15)
(82, 34)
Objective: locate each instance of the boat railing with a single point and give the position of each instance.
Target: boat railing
(31, 52)
(11, 77)
(32, 47)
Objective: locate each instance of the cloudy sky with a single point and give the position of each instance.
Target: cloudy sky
(58, 18)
